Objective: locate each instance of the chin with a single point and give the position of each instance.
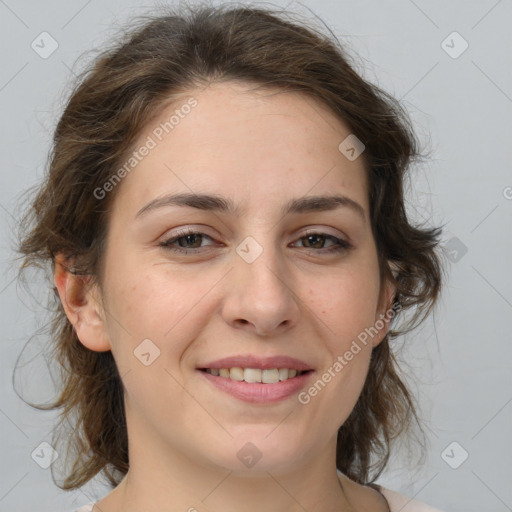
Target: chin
(258, 451)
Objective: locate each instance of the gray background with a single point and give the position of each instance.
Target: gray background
(462, 108)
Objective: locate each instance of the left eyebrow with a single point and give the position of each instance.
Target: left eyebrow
(217, 203)
(308, 204)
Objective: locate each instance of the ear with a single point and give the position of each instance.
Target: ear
(384, 313)
(81, 302)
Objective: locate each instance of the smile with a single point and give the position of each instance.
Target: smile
(268, 376)
(257, 386)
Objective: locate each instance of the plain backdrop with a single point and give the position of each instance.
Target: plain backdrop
(450, 62)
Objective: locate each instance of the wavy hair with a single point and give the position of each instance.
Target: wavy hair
(159, 57)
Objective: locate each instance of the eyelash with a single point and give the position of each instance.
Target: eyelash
(341, 245)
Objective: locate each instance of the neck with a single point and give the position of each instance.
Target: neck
(167, 481)
(229, 493)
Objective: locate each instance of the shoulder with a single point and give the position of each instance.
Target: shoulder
(400, 503)
(368, 497)
(86, 508)
(397, 502)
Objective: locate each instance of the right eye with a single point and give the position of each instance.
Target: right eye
(189, 236)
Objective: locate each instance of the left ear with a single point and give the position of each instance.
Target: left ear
(384, 315)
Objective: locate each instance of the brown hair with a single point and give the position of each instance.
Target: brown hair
(171, 53)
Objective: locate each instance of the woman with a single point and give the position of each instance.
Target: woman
(225, 220)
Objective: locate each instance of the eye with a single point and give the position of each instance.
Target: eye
(313, 238)
(185, 239)
(189, 241)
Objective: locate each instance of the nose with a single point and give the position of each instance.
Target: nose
(260, 294)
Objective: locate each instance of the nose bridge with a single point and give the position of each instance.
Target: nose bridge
(261, 294)
(260, 263)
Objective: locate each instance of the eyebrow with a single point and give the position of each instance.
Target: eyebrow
(217, 203)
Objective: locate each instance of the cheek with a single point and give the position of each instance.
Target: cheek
(156, 304)
(350, 308)
(346, 303)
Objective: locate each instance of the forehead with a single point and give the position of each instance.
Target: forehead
(236, 140)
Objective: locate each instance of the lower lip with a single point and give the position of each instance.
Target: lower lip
(256, 392)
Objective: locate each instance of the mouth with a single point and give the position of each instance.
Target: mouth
(256, 375)
(257, 380)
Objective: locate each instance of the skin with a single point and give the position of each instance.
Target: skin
(259, 149)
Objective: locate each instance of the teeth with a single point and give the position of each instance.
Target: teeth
(252, 375)
(236, 374)
(270, 376)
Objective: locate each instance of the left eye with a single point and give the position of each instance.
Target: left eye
(195, 237)
(338, 244)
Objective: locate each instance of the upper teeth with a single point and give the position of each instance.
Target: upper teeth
(270, 376)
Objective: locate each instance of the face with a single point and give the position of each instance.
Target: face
(186, 285)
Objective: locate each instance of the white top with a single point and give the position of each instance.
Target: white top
(397, 503)
(400, 503)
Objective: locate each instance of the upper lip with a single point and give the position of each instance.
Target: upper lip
(262, 363)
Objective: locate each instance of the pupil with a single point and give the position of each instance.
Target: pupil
(313, 237)
(186, 238)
